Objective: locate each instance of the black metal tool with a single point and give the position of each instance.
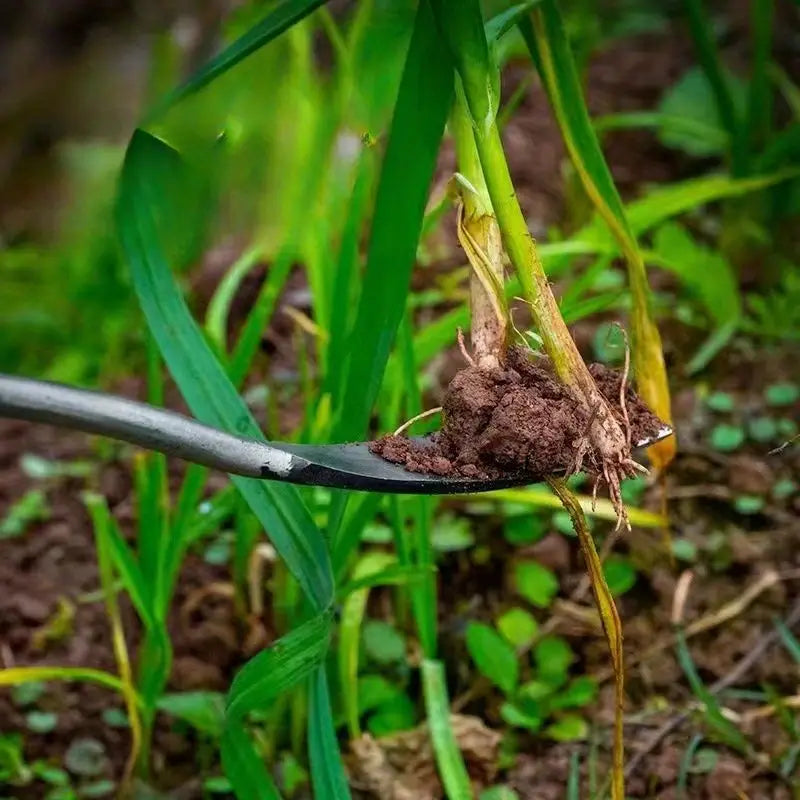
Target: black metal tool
(343, 466)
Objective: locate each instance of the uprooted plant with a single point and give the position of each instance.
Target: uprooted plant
(504, 413)
(491, 222)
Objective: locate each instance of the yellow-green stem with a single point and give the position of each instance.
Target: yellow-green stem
(612, 626)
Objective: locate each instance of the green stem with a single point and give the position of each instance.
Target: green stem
(521, 249)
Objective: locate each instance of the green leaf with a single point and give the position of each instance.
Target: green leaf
(707, 274)
(493, 656)
(620, 574)
(524, 528)
(782, 394)
(702, 31)
(282, 17)
(721, 401)
(788, 639)
(323, 749)
(375, 691)
(684, 549)
(26, 694)
(762, 429)
(705, 759)
(537, 584)
(397, 715)
(86, 757)
(422, 105)
(32, 506)
(41, 721)
(283, 665)
(719, 725)
(204, 711)
(244, 767)
(727, 438)
(124, 560)
(569, 728)
(451, 534)
(150, 168)
(518, 626)
(689, 119)
(498, 793)
(783, 488)
(445, 746)
(353, 609)
(552, 656)
(748, 504)
(515, 716)
(580, 692)
(608, 343)
(115, 718)
(383, 643)
(102, 788)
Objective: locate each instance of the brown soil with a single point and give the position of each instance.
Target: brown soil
(522, 419)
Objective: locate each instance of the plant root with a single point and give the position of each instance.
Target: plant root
(409, 422)
(463, 347)
(616, 462)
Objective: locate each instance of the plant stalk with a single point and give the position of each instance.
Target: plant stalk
(480, 237)
(607, 436)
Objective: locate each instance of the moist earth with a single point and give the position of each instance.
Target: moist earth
(520, 419)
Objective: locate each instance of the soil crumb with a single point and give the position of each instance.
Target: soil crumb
(520, 419)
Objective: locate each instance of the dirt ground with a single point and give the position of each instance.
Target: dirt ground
(750, 559)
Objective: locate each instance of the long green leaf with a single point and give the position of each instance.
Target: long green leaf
(282, 17)
(149, 165)
(352, 617)
(244, 767)
(422, 105)
(330, 782)
(445, 746)
(702, 31)
(280, 667)
(131, 574)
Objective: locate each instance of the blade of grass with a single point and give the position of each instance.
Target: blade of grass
(445, 745)
(252, 781)
(345, 274)
(551, 51)
(686, 764)
(395, 575)
(281, 18)
(701, 29)
(540, 498)
(329, 777)
(16, 675)
(207, 390)
(353, 609)
(101, 521)
(216, 320)
(759, 97)
(718, 724)
(574, 777)
(131, 574)
(280, 667)
(788, 639)
(422, 104)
